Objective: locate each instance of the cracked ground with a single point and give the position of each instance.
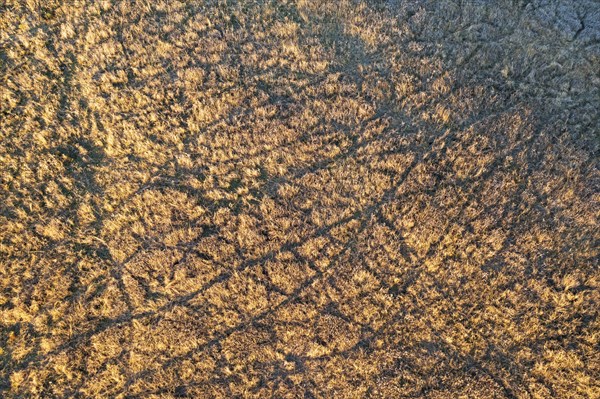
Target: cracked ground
(299, 199)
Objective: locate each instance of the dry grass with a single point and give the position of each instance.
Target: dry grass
(299, 199)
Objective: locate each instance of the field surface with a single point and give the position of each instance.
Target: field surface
(299, 199)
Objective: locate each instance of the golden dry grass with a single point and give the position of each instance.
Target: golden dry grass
(299, 199)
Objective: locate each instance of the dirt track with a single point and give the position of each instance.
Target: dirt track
(279, 199)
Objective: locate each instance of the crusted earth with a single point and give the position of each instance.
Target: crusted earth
(299, 199)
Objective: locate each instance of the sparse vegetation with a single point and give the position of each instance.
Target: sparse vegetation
(299, 199)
